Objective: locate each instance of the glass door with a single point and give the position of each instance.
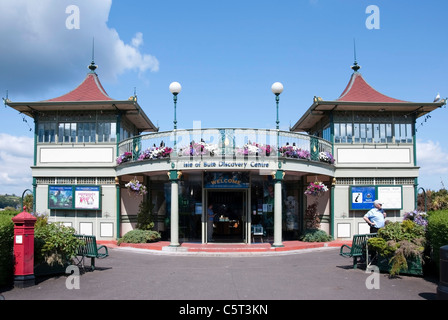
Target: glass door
(226, 216)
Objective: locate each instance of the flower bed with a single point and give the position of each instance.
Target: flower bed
(199, 149)
(156, 153)
(294, 152)
(253, 148)
(125, 157)
(327, 157)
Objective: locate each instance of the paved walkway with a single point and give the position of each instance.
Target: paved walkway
(288, 246)
(222, 277)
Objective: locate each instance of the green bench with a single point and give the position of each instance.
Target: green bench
(358, 248)
(89, 249)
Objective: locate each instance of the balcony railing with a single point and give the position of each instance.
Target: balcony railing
(225, 143)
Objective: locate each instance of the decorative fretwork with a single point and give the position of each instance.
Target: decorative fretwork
(374, 181)
(76, 180)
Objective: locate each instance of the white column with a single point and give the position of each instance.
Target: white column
(174, 176)
(278, 212)
(174, 214)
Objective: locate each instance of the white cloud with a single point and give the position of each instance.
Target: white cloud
(39, 51)
(16, 157)
(432, 159)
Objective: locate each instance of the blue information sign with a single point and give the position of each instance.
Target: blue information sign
(362, 198)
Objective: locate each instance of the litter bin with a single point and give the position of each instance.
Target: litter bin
(442, 289)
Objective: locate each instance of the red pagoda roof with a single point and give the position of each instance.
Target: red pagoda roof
(89, 90)
(358, 90)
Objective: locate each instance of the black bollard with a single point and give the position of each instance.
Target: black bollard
(442, 289)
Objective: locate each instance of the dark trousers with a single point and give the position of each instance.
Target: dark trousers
(374, 229)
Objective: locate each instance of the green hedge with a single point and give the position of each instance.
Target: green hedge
(140, 236)
(315, 235)
(6, 247)
(437, 232)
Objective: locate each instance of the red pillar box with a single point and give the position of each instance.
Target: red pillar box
(24, 249)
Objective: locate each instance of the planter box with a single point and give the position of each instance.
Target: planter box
(45, 269)
(415, 266)
(6, 274)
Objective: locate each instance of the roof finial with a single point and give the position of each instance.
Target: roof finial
(92, 66)
(355, 66)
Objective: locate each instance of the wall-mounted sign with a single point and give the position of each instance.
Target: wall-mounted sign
(362, 197)
(74, 197)
(87, 198)
(60, 197)
(226, 180)
(391, 197)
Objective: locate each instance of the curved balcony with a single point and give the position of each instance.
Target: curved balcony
(226, 146)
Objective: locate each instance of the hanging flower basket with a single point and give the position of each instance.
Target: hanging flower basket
(136, 188)
(316, 189)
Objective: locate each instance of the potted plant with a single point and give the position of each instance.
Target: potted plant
(400, 247)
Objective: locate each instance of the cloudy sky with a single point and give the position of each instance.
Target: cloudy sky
(226, 56)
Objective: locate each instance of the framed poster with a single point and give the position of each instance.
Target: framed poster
(361, 198)
(88, 198)
(60, 197)
(391, 197)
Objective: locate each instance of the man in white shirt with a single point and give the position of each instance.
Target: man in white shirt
(375, 218)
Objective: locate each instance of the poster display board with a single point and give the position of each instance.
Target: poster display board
(87, 198)
(390, 196)
(74, 197)
(60, 197)
(362, 197)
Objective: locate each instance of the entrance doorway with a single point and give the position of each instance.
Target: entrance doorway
(229, 216)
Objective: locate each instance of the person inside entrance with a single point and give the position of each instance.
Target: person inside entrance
(225, 216)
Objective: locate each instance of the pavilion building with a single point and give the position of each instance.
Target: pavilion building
(96, 160)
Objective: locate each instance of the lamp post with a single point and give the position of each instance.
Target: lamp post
(175, 89)
(277, 89)
(174, 176)
(278, 175)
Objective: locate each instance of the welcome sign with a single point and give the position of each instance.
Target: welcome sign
(226, 180)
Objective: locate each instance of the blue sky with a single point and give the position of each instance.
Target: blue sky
(226, 55)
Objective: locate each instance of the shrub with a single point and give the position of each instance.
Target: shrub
(437, 232)
(398, 241)
(54, 243)
(144, 216)
(315, 235)
(6, 248)
(140, 236)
